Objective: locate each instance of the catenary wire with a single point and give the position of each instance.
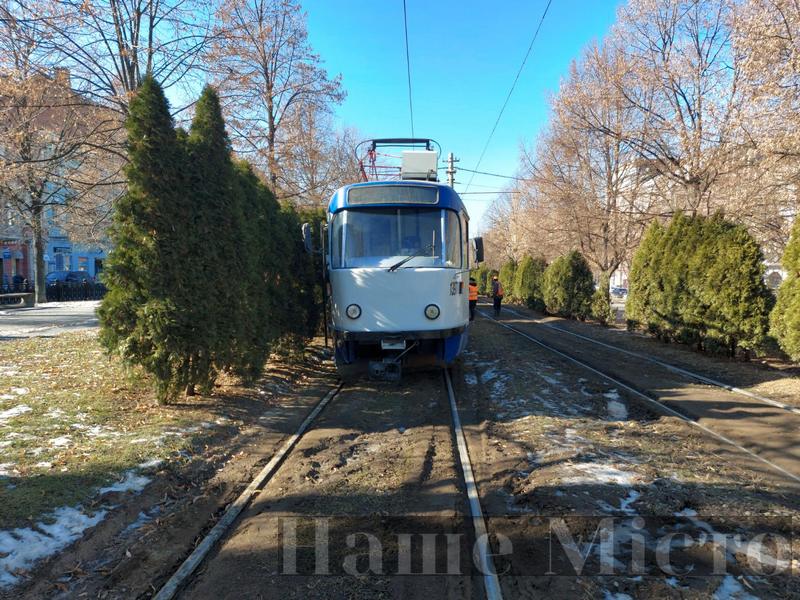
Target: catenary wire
(408, 68)
(511, 91)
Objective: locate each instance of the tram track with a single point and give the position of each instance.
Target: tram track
(748, 445)
(182, 578)
(675, 369)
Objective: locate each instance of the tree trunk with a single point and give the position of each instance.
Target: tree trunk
(39, 271)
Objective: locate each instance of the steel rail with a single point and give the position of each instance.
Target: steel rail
(491, 583)
(648, 399)
(669, 367)
(179, 578)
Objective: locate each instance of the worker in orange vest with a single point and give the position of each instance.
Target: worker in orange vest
(473, 298)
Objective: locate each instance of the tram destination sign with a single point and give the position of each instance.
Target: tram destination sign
(393, 194)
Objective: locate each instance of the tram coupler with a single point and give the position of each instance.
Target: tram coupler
(388, 369)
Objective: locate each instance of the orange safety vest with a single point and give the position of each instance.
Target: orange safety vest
(473, 291)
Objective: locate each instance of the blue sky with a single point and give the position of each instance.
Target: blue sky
(464, 56)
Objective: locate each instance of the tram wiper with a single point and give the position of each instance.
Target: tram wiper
(419, 252)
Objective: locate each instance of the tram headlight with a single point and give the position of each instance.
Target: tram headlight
(353, 311)
(432, 311)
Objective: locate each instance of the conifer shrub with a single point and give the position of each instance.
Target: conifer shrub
(528, 282)
(506, 276)
(729, 298)
(700, 281)
(569, 286)
(483, 279)
(643, 283)
(601, 302)
(208, 273)
(785, 317)
(144, 316)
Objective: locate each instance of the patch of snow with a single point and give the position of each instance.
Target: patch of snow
(7, 397)
(16, 411)
(489, 374)
(19, 391)
(470, 379)
(600, 473)
(616, 408)
(61, 441)
(140, 521)
(54, 413)
(554, 381)
(731, 589)
(6, 469)
(131, 482)
(21, 548)
(44, 465)
(627, 501)
(151, 464)
(6, 443)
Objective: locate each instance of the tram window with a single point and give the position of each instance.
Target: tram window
(379, 237)
(453, 237)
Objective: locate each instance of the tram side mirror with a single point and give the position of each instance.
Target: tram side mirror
(308, 240)
(477, 246)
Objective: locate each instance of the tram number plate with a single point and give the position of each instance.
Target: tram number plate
(393, 344)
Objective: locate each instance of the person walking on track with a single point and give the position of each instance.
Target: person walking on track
(497, 295)
(473, 298)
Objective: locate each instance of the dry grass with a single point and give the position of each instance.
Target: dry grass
(82, 420)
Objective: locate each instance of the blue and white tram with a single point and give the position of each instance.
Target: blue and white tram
(397, 260)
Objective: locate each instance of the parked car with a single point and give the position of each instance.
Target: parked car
(619, 292)
(69, 277)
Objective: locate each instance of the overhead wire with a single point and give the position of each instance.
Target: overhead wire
(511, 91)
(493, 175)
(408, 68)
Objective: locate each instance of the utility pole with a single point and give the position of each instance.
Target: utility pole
(451, 169)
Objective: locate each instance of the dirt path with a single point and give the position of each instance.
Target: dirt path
(370, 503)
(558, 449)
(771, 432)
(379, 461)
(770, 378)
(145, 536)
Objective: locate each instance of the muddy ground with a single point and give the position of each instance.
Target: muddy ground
(766, 376)
(555, 450)
(551, 441)
(146, 534)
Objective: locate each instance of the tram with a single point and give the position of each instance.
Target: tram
(397, 255)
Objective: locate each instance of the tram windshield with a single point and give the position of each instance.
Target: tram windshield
(381, 237)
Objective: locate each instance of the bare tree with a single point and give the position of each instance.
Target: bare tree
(685, 80)
(109, 45)
(268, 74)
(586, 186)
(767, 36)
(51, 170)
(317, 159)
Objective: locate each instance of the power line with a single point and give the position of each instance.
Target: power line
(492, 175)
(511, 91)
(496, 192)
(408, 68)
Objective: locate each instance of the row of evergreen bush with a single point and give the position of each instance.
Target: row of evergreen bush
(208, 272)
(696, 280)
(785, 317)
(700, 281)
